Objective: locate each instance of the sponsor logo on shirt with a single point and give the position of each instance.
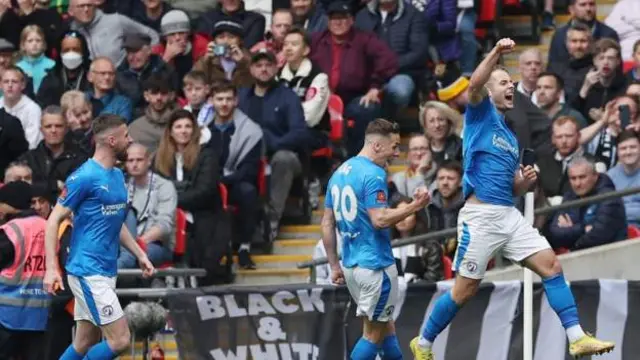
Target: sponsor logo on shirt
(503, 144)
(111, 210)
(381, 197)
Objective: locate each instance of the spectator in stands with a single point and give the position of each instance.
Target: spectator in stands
(624, 19)
(575, 67)
(593, 224)
(9, 24)
(420, 170)
(34, 63)
(441, 19)
(442, 126)
(358, 64)
(179, 46)
(105, 33)
(529, 66)
(309, 15)
(150, 12)
(153, 202)
(19, 105)
(633, 75)
(196, 90)
(549, 92)
(252, 22)
(103, 97)
(48, 20)
(70, 72)
(279, 113)
(565, 137)
(227, 58)
(626, 174)
(451, 87)
(12, 139)
(18, 171)
(139, 66)
(308, 81)
(446, 202)
(603, 83)
(78, 114)
(405, 32)
(6, 55)
(149, 128)
(281, 22)
(42, 199)
(238, 141)
(194, 172)
(466, 25)
(582, 11)
(53, 160)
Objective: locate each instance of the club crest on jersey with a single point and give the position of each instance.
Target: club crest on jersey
(63, 193)
(381, 197)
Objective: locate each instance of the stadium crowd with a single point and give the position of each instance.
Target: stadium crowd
(231, 112)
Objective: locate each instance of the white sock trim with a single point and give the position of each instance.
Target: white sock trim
(424, 343)
(575, 333)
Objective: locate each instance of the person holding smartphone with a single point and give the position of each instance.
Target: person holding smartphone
(226, 57)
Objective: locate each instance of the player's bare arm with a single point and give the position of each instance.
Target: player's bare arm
(328, 225)
(385, 217)
(524, 178)
(480, 76)
(127, 240)
(52, 278)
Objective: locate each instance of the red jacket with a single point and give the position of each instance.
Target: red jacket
(199, 44)
(367, 62)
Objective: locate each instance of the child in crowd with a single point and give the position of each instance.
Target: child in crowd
(196, 90)
(34, 62)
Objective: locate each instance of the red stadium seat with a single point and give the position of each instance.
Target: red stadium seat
(262, 177)
(560, 251)
(181, 232)
(633, 232)
(336, 111)
(628, 65)
(224, 196)
(446, 263)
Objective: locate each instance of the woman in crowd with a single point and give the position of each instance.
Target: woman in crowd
(442, 126)
(70, 71)
(194, 171)
(34, 63)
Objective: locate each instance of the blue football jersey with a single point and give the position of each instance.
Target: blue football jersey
(490, 155)
(355, 187)
(98, 199)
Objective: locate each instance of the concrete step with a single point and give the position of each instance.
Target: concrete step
(277, 261)
(272, 276)
(299, 231)
(301, 246)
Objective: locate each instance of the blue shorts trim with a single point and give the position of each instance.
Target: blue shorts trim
(88, 298)
(463, 246)
(384, 295)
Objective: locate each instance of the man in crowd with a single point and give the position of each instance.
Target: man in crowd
(530, 66)
(15, 103)
(12, 140)
(239, 142)
(105, 32)
(626, 174)
(582, 11)
(149, 128)
(139, 65)
(282, 20)
(446, 202)
(278, 111)
(152, 217)
(53, 160)
(549, 93)
(252, 22)
(150, 12)
(103, 96)
(593, 224)
(18, 171)
(309, 15)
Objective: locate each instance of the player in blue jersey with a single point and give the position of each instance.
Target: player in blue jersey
(356, 205)
(97, 197)
(489, 220)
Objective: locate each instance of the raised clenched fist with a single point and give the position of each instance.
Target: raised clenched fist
(505, 46)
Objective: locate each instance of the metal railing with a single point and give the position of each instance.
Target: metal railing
(128, 273)
(453, 231)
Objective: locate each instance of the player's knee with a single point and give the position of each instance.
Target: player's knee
(464, 289)
(554, 266)
(121, 341)
(375, 331)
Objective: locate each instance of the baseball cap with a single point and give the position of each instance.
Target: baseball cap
(263, 53)
(16, 194)
(339, 7)
(134, 42)
(6, 46)
(229, 26)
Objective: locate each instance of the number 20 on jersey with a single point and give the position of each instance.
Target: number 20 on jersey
(345, 203)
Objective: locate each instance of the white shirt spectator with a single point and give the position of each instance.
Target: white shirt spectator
(29, 113)
(624, 18)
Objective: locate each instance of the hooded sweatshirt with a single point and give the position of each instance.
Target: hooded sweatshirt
(149, 129)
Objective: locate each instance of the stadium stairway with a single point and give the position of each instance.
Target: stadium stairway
(296, 243)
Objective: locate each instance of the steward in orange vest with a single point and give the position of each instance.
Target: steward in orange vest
(24, 304)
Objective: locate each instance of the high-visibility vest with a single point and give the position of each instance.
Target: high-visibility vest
(24, 304)
(66, 223)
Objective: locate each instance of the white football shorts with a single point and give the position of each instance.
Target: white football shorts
(95, 299)
(483, 229)
(374, 291)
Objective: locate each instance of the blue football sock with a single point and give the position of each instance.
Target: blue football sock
(391, 348)
(101, 351)
(443, 312)
(561, 300)
(71, 354)
(364, 350)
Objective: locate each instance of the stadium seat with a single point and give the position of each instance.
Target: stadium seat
(336, 133)
(224, 196)
(181, 232)
(560, 251)
(628, 65)
(633, 232)
(446, 263)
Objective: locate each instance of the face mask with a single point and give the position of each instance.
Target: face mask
(71, 60)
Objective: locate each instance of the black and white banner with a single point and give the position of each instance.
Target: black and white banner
(307, 322)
